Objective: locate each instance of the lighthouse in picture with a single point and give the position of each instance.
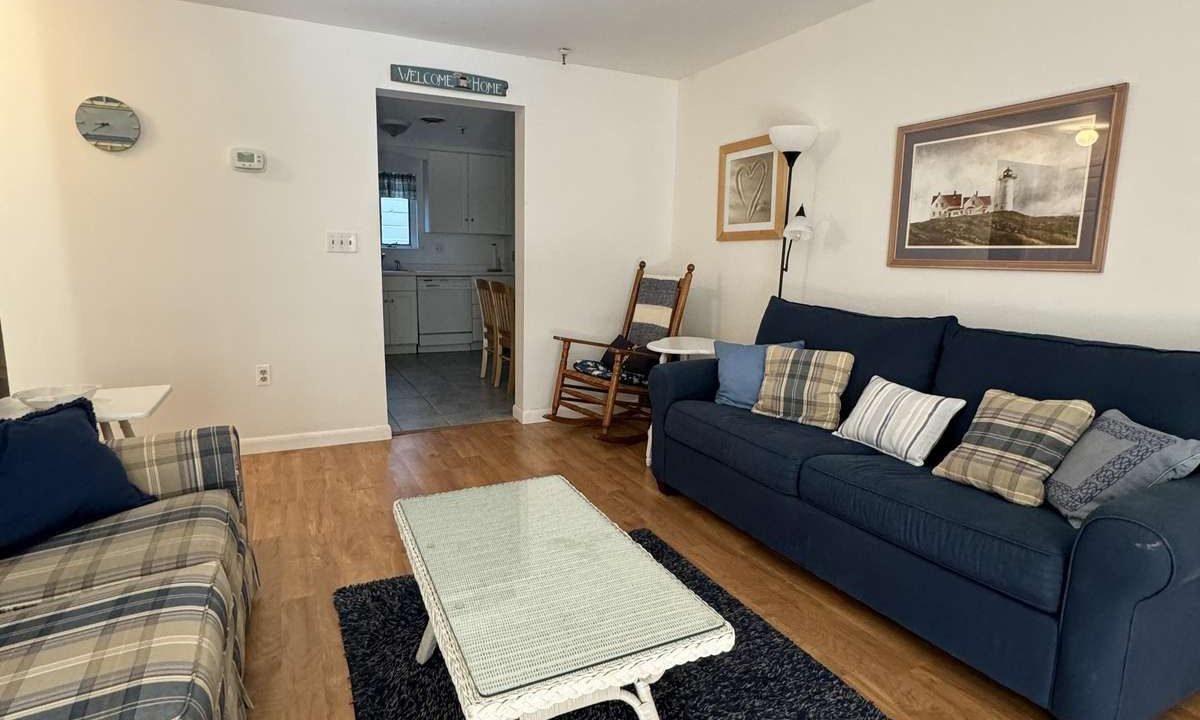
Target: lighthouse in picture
(1006, 190)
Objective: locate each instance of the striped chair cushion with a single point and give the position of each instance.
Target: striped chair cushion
(153, 648)
(899, 421)
(804, 385)
(1014, 443)
(654, 305)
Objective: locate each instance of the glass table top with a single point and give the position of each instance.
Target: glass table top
(536, 582)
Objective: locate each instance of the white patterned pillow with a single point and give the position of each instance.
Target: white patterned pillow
(899, 421)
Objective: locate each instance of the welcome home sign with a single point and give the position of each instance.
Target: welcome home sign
(449, 80)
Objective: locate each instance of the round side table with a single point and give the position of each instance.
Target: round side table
(683, 347)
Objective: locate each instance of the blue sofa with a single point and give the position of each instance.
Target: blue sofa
(1093, 624)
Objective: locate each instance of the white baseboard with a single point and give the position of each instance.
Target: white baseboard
(528, 417)
(321, 438)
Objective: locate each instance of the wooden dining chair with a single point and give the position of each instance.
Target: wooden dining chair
(504, 300)
(615, 389)
(487, 313)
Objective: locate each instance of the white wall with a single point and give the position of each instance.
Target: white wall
(862, 74)
(161, 264)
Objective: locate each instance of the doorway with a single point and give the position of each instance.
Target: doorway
(447, 220)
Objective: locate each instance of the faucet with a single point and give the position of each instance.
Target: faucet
(383, 259)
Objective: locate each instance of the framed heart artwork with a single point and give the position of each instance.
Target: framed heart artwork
(751, 177)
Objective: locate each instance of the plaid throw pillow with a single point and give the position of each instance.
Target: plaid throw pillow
(804, 385)
(1014, 443)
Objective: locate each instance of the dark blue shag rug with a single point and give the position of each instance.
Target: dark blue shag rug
(764, 677)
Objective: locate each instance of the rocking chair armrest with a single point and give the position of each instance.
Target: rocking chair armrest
(569, 340)
(622, 352)
(618, 353)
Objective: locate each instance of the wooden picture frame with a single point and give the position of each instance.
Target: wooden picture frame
(1049, 165)
(751, 187)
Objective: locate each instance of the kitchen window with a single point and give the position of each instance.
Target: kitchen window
(398, 210)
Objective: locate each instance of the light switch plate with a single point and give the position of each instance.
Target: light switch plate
(341, 242)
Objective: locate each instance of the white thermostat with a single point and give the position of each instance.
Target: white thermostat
(248, 159)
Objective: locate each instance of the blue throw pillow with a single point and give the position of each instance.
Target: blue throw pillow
(740, 371)
(56, 475)
(1114, 458)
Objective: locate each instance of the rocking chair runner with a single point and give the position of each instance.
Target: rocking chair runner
(606, 391)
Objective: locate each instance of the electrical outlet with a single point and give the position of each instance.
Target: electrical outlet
(341, 242)
(262, 375)
(439, 248)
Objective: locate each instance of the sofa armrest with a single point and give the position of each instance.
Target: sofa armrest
(170, 464)
(1130, 558)
(669, 383)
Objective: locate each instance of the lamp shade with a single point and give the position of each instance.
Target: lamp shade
(799, 227)
(793, 138)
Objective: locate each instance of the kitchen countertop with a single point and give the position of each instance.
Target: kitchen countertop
(447, 273)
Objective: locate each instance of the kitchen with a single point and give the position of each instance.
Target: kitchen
(446, 186)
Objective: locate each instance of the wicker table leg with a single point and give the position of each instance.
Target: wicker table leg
(642, 703)
(428, 645)
(648, 710)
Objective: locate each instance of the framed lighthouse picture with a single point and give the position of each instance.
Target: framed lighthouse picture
(1022, 187)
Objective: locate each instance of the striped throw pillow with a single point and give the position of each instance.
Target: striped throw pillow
(1014, 443)
(899, 421)
(804, 385)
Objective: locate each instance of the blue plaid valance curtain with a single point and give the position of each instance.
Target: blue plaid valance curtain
(398, 185)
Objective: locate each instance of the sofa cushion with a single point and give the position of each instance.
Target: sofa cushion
(903, 350)
(155, 647)
(165, 535)
(769, 451)
(899, 421)
(804, 386)
(1014, 443)
(1021, 552)
(55, 474)
(1157, 388)
(1114, 458)
(740, 371)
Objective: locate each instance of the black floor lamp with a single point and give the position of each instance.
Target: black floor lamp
(791, 140)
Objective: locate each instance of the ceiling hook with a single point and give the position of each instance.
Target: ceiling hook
(564, 52)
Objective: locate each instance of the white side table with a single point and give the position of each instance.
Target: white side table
(112, 405)
(121, 405)
(683, 347)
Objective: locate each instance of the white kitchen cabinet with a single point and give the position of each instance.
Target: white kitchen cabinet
(468, 193)
(400, 317)
(446, 193)
(488, 180)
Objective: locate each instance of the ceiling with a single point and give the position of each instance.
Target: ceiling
(667, 38)
(464, 125)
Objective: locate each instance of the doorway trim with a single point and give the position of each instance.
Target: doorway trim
(518, 215)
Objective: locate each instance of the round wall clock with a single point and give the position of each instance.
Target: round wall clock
(108, 123)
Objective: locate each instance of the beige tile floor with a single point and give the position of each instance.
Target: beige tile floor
(433, 390)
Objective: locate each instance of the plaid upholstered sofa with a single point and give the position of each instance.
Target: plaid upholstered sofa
(1096, 623)
(142, 615)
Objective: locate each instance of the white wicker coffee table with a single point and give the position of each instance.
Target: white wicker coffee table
(540, 605)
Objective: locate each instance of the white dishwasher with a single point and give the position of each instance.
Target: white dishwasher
(443, 313)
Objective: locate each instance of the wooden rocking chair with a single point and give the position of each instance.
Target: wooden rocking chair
(614, 390)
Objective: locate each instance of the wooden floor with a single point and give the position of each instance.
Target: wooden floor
(321, 519)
